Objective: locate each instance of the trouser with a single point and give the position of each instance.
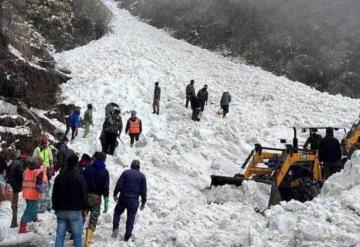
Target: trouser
(87, 129)
(202, 105)
(133, 138)
(225, 109)
(74, 132)
(72, 219)
(14, 208)
(131, 205)
(110, 143)
(94, 208)
(44, 204)
(31, 211)
(195, 114)
(67, 129)
(156, 106)
(331, 167)
(187, 101)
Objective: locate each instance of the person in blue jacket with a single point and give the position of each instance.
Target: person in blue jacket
(75, 123)
(131, 185)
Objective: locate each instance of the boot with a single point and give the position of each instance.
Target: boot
(22, 228)
(88, 237)
(115, 233)
(131, 145)
(127, 237)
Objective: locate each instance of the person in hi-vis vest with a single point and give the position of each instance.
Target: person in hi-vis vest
(134, 128)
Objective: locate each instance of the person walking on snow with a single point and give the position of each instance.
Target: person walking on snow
(190, 92)
(75, 124)
(32, 189)
(131, 185)
(156, 102)
(14, 176)
(69, 198)
(109, 108)
(88, 119)
(225, 102)
(134, 128)
(112, 128)
(195, 106)
(97, 180)
(203, 97)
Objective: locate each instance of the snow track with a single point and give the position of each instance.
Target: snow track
(178, 156)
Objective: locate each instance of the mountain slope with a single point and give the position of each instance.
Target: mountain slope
(178, 156)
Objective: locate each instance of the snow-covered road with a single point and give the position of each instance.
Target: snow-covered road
(178, 156)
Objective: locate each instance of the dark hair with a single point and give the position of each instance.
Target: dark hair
(72, 161)
(192, 81)
(89, 106)
(329, 131)
(135, 164)
(100, 156)
(156, 83)
(3, 165)
(86, 157)
(77, 111)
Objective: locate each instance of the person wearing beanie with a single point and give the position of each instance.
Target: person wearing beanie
(32, 189)
(330, 153)
(97, 180)
(131, 185)
(69, 199)
(88, 119)
(44, 151)
(134, 128)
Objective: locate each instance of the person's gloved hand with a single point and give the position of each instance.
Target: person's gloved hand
(106, 205)
(142, 206)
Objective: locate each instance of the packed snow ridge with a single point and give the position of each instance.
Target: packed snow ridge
(178, 155)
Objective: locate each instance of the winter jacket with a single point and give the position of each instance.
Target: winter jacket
(5, 219)
(330, 149)
(195, 104)
(14, 174)
(132, 184)
(133, 119)
(88, 118)
(157, 93)
(70, 191)
(62, 155)
(203, 95)
(45, 153)
(113, 124)
(109, 108)
(75, 120)
(33, 182)
(225, 99)
(314, 141)
(97, 178)
(190, 91)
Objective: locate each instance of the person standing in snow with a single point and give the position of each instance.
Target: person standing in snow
(88, 119)
(156, 102)
(330, 153)
(112, 128)
(69, 198)
(75, 124)
(14, 176)
(44, 151)
(64, 152)
(131, 185)
(97, 180)
(134, 128)
(224, 103)
(313, 140)
(203, 97)
(195, 106)
(6, 196)
(190, 92)
(84, 162)
(32, 187)
(109, 108)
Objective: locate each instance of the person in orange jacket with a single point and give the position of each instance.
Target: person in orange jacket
(134, 128)
(32, 188)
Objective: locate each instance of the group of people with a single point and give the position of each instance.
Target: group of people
(79, 190)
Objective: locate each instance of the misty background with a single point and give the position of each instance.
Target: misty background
(316, 42)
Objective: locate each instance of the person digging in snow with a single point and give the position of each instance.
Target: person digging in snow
(88, 120)
(134, 128)
(156, 101)
(112, 128)
(97, 180)
(190, 92)
(131, 185)
(224, 103)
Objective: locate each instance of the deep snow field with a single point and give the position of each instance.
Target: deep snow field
(178, 155)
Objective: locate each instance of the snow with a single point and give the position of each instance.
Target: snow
(178, 155)
(7, 108)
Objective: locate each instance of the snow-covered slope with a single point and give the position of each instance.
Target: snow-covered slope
(178, 155)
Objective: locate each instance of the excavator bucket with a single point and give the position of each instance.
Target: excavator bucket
(275, 196)
(221, 180)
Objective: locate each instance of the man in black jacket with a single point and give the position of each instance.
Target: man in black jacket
(156, 102)
(195, 106)
(203, 97)
(190, 92)
(14, 176)
(330, 153)
(69, 198)
(97, 179)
